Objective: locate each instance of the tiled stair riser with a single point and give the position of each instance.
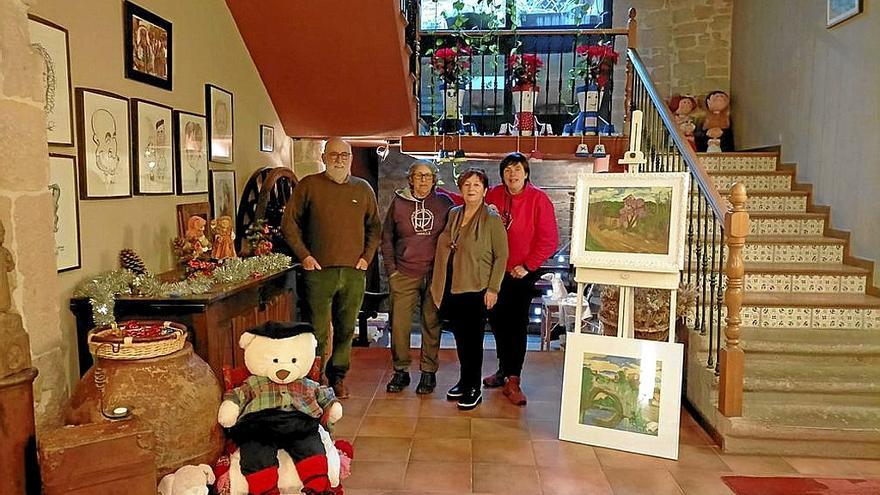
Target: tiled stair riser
(781, 317)
(770, 282)
(753, 183)
(787, 226)
(739, 163)
(783, 204)
(791, 253)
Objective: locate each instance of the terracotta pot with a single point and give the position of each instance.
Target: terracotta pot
(177, 395)
(659, 333)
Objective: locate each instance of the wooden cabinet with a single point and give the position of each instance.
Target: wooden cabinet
(215, 320)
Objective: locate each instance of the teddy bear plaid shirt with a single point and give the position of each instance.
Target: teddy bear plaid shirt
(259, 392)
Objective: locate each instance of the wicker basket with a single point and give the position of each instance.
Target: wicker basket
(107, 342)
(658, 333)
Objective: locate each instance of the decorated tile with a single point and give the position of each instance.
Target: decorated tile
(831, 253)
(853, 284)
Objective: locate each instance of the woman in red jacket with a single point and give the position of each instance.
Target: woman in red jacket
(532, 237)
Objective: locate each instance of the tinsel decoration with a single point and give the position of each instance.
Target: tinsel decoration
(103, 289)
(130, 260)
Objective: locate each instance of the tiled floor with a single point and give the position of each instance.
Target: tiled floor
(407, 444)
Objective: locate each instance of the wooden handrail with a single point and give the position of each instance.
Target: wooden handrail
(732, 358)
(698, 172)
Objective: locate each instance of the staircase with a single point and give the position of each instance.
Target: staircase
(811, 326)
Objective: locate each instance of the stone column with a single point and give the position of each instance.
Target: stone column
(26, 211)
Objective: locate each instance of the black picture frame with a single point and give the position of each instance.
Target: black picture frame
(216, 194)
(137, 137)
(144, 44)
(192, 165)
(267, 138)
(220, 146)
(118, 125)
(62, 199)
(60, 83)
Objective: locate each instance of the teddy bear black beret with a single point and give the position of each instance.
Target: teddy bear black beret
(281, 330)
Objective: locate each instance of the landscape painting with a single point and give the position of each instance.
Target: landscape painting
(629, 219)
(621, 393)
(630, 222)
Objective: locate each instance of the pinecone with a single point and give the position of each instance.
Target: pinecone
(130, 260)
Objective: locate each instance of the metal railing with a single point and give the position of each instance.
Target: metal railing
(713, 223)
(488, 104)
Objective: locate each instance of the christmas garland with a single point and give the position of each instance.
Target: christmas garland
(103, 289)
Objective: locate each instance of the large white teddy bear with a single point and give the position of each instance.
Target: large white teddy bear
(274, 417)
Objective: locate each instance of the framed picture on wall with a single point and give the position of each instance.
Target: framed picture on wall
(153, 157)
(65, 204)
(103, 144)
(191, 149)
(50, 41)
(841, 10)
(147, 46)
(218, 104)
(267, 138)
(223, 193)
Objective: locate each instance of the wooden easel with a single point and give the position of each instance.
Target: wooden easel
(629, 280)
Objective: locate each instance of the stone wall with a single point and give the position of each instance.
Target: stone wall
(26, 208)
(685, 43)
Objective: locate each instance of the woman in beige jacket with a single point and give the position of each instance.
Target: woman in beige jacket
(468, 269)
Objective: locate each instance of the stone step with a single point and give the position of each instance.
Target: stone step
(774, 343)
(751, 162)
(788, 412)
(760, 437)
(766, 181)
(817, 377)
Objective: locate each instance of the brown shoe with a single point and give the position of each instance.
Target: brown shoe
(340, 389)
(513, 392)
(494, 380)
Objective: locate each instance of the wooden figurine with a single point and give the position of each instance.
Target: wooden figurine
(224, 234)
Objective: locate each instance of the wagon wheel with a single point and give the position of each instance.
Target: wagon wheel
(264, 197)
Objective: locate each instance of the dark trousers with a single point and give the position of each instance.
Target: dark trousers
(334, 295)
(510, 321)
(259, 435)
(466, 314)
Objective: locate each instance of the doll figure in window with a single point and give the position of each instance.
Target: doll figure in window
(683, 107)
(224, 234)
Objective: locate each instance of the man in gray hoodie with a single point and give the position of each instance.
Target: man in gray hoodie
(415, 219)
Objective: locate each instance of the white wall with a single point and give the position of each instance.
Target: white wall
(814, 91)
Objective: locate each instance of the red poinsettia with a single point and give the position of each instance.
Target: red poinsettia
(595, 63)
(524, 70)
(452, 64)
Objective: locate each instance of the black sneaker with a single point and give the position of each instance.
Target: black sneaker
(470, 399)
(427, 383)
(455, 392)
(399, 381)
(495, 380)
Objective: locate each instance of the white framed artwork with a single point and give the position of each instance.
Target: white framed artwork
(104, 144)
(632, 222)
(622, 394)
(190, 137)
(221, 123)
(153, 154)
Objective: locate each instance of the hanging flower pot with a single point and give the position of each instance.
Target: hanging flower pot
(524, 107)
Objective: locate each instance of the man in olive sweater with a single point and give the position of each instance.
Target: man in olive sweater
(332, 225)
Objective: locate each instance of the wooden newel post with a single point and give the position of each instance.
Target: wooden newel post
(732, 359)
(631, 42)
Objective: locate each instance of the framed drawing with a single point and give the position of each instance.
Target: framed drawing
(841, 10)
(222, 193)
(153, 159)
(147, 46)
(218, 103)
(622, 394)
(65, 203)
(191, 152)
(267, 138)
(50, 41)
(194, 220)
(103, 144)
(630, 222)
